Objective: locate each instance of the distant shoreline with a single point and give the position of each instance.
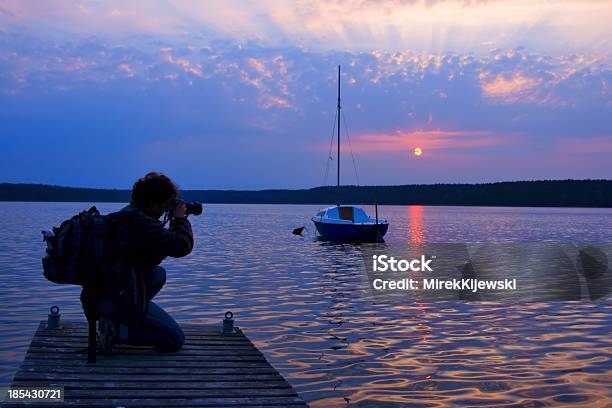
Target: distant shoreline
(541, 193)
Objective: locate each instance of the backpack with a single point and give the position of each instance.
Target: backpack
(77, 249)
(77, 253)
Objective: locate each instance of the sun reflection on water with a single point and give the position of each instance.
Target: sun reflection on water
(415, 226)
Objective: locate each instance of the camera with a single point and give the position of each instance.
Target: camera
(193, 207)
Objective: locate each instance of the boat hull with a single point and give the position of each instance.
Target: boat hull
(351, 232)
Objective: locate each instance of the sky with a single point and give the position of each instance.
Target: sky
(242, 94)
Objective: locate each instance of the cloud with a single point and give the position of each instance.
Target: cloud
(509, 87)
(581, 146)
(283, 76)
(125, 68)
(406, 141)
(358, 25)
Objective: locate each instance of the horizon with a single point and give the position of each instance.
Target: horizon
(320, 186)
(242, 96)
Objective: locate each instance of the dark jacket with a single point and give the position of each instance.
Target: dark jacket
(138, 243)
(145, 240)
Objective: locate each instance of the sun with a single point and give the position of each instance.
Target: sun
(418, 151)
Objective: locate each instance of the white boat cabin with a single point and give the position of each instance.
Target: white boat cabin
(345, 215)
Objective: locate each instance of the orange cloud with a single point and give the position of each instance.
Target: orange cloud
(187, 66)
(125, 68)
(270, 78)
(271, 101)
(509, 88)
(259, 66)
(77, 64)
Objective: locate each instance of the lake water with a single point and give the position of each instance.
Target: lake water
(302, 303)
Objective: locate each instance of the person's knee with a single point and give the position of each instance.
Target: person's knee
(174, 340)
(158, 276)
(179, 339)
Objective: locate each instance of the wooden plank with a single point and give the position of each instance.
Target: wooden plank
(148, 385)
(68, 375)
(188, 346)
(192, 340)
(170, 371)
(210, 370)
(149, 352)
(131, 362)
(219, 347)
(170, 393)
(154, 361)
(201, 330)
(195, 335)
(197, 326)
(252, 402)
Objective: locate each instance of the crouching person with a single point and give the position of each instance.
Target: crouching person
(139, 243)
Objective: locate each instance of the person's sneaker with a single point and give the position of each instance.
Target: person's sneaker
(108, 335)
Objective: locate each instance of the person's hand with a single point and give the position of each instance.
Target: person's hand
(180, 211)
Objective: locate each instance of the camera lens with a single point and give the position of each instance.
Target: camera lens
(194, 208)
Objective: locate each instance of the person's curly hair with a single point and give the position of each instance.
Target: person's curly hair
(154, 188)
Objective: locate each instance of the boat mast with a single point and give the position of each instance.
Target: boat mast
(338, 182)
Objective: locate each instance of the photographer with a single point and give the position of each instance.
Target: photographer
(139, 244)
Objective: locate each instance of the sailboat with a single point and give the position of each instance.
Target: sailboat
(345, 222)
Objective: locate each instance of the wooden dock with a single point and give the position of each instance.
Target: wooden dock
(211, 370)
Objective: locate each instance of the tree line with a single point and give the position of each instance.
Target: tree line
(541, 193)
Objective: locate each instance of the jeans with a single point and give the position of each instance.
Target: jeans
(155, 328)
